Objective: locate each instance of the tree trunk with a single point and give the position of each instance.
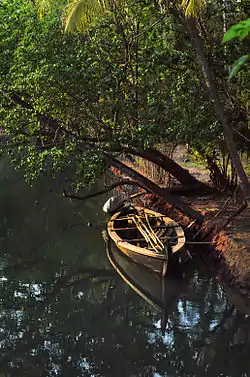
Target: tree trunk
(169, 165)
(218, 107)
(155, 189)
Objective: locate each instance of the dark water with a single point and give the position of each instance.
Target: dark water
(66, 312)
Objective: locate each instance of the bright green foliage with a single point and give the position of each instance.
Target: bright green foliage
(38, 65)
(68, 102)
(193, 7)
(238, 31)
(78, 14)
(238, 65)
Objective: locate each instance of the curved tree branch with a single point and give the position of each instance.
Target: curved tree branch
(153, 188)
(122, 182)
(168, 164)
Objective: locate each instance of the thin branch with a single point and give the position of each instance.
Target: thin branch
(239, 133)
(231, 218)
(150, 26)
(68, 92)
(225, 204)
(122, 182)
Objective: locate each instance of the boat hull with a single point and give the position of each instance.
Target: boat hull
(153, 263)
(141, 255)
(147, 284)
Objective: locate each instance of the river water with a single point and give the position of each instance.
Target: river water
(65, 311)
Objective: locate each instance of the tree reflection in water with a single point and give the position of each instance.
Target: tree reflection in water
(65, 312)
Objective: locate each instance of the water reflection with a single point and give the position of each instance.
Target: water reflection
(161, 293)
(66, 312)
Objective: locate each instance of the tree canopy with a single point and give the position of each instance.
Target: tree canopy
(130, 83)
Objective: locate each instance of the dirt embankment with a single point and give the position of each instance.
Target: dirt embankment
(229, 252)
(231, 248)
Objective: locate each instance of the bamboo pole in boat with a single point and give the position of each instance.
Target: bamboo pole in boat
(145, 232)
(153, 227)
(145, 228)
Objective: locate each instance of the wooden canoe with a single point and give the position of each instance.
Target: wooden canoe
(128, 239)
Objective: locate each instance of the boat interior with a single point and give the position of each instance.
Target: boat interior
(145, 230)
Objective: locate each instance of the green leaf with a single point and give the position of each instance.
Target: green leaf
(237, 65)
(230, 34)
(243, 34)
(239, 30)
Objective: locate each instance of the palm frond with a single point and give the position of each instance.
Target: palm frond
(193, 8)
(44, 5)
(80, 13)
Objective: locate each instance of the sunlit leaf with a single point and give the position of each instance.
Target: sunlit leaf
(239, 31)
(193, 7)
(80, 13)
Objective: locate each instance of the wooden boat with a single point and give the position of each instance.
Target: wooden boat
(161, 293)
(125, 234)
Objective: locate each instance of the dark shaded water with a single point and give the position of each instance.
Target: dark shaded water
(66, 312)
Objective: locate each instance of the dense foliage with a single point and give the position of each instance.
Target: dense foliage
(132, 80)
(240, 31)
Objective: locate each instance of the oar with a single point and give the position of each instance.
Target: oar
(144, 231)
(150, 236)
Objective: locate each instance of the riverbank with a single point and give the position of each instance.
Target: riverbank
(231, 249)
(229, 253)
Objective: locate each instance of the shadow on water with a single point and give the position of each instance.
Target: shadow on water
(66, 312)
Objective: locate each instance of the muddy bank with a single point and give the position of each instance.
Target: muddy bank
(232, 246)
(229, 253)
(230, 250)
